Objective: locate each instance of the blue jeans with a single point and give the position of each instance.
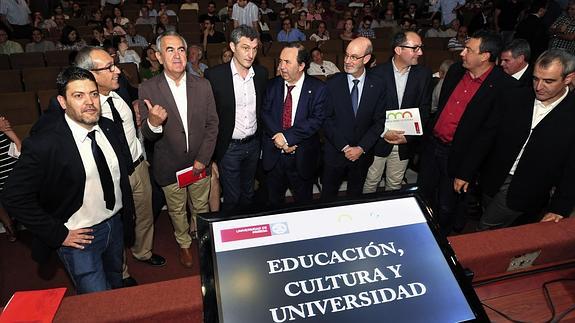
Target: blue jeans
(237, 173)
(98, 266)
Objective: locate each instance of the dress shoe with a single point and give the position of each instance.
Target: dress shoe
(154, 260)
(129, 282)
(186, 257)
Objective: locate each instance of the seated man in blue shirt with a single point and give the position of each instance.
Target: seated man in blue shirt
(289, 34)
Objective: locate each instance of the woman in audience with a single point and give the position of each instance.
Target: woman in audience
(70, 39)
(341, 23)
(302, 23)
(164, 25)
(322, 34)
(316, 11)
(226, 56)
(126, 55)
(348, 32)
(95, 18)
(10, 146)
(563, 30)
(98, 38)
(119, 18)
(149, 66)
(111, 29)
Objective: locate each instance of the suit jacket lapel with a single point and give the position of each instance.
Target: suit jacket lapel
(366, 96)
(172, 108)
(346, 99)
(303, 100)
(229, 84)
(393, 99)
(191, 90)
(410, 88)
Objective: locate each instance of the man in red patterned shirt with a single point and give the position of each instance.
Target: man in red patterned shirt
(467, 97)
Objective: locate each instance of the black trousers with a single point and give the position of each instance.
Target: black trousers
(285, 175)
(333, 176)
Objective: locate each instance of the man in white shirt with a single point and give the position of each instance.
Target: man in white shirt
(70, 188)
(15, 15)
(515, 61)
(319, 66)
(524, 154)
(245, 12)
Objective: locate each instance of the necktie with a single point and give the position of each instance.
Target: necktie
(116, 115)
(354, 97)
(286, 116)
(103, 171)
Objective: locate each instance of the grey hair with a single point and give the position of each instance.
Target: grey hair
(243, 31)
(518, 47)
(564, 58)
(169, 33)
(199, 48)
(84, 59)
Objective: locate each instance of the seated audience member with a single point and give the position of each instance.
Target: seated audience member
(322, 34)
(10, 147)
(164, 25)
(365, 29)
(210, 35)
(341, 23)
(514, 60)
(150, 66)
(96, 18)
(111, 29)
(70, 40)
(564, 30)
(126, 55)
(98, 38)
(77, 11)
(509, 159)
(39, 44)
(38, 21)
(8, 46)
(296, 7)
(457, 43)
(282, 14)
(302, 23)
(289, 34)
(119, 18)
(443, 68)
(226, 55)
(151, 9)
(225, 14)
(319, 66)
(452, 30)
(389, 21)
(265, 10)
(145, 18)
(165, 10)
(194, 66)
(315, 11)
(348, 31)
(210, 13)
(133, 38)
(190, 5)
(435, 30)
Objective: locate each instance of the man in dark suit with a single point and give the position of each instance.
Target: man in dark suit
(467, 97)
(408, 85)
(292, 115)
(354, 120)
(524, 153)
(239, 88)
(182, 122)
(514, 60)
(70, 188)
(534, 30)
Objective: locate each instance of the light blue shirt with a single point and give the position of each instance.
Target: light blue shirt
(293, 35)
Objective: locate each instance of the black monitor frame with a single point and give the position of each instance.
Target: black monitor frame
(207, 253)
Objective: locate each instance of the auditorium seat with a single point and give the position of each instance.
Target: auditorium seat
(21, 110)
(130, 70)
(26, 60)
(333, 45)
(189, 26)
(214, 50)
(144, 30)
(188, 16)
(433, 58)
(42, 78)
(274, 50)
(332, 57)
(44, 97)
(4, 62)
(435, 42)
(10, 81)
(57, 57)
(269, 63)
(191, 37)
(383, 33)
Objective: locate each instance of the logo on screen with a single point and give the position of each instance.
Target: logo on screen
(279, 228)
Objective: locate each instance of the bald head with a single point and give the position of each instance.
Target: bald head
(357, 54)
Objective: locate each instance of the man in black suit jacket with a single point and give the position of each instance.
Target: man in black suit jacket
(514, 60)
(292, 115)
(525, 150)
(467, 97)
(534, 30)
(238, 89)
(354, 120)
(61, 193)
(408, 85)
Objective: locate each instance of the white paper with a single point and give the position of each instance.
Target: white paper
(407, 120)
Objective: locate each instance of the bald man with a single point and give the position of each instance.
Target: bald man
(354, 121)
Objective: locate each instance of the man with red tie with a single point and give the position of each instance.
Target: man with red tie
(292, 114)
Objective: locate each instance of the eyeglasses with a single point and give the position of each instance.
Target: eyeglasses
(413, 48)
(353, 58)
(110, 68)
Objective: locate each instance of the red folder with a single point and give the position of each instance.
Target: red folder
(186, 176)
(33, 306)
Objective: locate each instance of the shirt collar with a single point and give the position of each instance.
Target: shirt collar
(350, 77)
(172, 82)
(482, 77)
(112, 94)
(299, 83)
(519, 74)
(78, 132)
(235, 71)
(554, 104)
(396, 70)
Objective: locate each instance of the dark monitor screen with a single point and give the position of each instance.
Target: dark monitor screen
(378, 260)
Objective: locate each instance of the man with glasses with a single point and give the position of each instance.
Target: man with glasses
(179, 117)
(354, 120)
(365, 29)
(117, 109)
(408, 86)
(239, 88)
(289, 34)
(319, 66)
(467, 97)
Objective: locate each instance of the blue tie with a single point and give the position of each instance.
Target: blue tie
(355, 97)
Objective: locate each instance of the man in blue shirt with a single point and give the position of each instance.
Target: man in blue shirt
(289, 34)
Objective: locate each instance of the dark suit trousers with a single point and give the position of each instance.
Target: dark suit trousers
(333, 176)
(284, 175)
(237, 173)
(436, 185)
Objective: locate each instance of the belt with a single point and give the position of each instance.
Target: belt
(243, 140)
(139, 161)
